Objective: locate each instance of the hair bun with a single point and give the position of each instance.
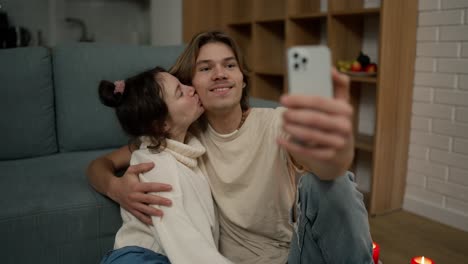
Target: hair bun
(107, 95)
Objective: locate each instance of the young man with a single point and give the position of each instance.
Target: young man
(251, 164)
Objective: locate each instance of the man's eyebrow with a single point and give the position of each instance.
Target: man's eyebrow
(209, 61)
(203, 61)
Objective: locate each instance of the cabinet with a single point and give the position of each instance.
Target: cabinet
(266, 28)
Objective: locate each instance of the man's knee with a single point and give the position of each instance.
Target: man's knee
(337, 218)
(337, 197)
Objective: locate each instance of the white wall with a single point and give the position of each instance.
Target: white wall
(112, 21)
(437, 179)
(156, 22)
(166, 22)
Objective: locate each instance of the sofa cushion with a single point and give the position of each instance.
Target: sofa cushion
(83, 123)
(50, 213)
(27, 118)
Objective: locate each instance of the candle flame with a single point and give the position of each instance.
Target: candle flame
(422, 260)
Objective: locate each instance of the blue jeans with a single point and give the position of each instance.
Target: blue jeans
(331, 223)
(134, 255)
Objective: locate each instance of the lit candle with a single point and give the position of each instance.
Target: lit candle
(375, 252)
(422, 260)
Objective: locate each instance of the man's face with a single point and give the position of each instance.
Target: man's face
(218, 79)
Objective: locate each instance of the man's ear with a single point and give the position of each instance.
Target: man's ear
(244, 85)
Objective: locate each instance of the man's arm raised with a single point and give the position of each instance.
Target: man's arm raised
(320, 130)
(127, 190)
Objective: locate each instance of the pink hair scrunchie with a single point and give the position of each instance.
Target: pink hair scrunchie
(119, 87)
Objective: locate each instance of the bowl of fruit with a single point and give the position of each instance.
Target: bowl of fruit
(361, 66)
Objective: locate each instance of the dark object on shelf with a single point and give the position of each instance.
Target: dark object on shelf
(3, 20)
(363, 59)
(12, 37)
(17, 37)
(4, 25)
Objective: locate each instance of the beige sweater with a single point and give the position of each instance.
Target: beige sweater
(251, 181)
(188, 231)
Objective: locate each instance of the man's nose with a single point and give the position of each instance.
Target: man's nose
(219, 72)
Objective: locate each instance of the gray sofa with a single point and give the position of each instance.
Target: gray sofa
(52, 125)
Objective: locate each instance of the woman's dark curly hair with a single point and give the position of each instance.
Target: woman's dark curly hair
(139, 106)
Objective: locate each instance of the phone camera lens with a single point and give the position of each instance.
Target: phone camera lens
(296, 66)
(304, 60)
(295, 55)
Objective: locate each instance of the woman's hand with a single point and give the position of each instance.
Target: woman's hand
(134, 196)
(320, 130)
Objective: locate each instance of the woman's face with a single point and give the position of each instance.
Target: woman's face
(182, 102)
(218, 78)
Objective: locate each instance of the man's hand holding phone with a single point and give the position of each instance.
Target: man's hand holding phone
(319, 116)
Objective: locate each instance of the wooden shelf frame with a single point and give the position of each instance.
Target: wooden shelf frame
(364, 142)
(308, 16)
(240, 11)
(356, 12)
(301, 7)
(266, 28)
(267, 10)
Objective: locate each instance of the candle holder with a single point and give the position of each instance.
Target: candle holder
(422, 260)
(375, 252)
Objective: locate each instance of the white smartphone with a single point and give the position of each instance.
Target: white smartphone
(309, 70)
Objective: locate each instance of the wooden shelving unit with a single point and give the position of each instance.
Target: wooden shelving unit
(266, 28)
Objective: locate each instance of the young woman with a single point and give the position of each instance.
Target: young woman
(157, 111)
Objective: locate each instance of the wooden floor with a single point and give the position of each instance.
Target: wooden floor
(403, 235)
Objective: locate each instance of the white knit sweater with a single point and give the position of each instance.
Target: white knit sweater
(188, 231)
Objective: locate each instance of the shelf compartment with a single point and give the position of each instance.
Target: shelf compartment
(243, 36)
(363, 79)
(345, 40)
(307, 31)
(364, 142)
(267, 10)
(300, 7)
(270, 47)
(357, 12)
(267, 86)
(239, 11)
(352, 5)
(363, 99)
(360, 34)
